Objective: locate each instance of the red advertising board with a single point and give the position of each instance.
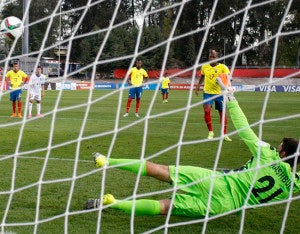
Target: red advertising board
(83, 86)
(238, 72)
(121, 73)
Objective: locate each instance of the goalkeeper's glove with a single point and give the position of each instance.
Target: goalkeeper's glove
(100, 160)
(226, 87)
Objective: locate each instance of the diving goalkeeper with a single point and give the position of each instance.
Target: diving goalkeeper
(267, 177)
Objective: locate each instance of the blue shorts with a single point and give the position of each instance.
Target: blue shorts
(15, 95)
(164, 91)
(218, 100)
(135, 92)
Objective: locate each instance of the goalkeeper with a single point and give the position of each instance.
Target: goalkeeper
(267, 177)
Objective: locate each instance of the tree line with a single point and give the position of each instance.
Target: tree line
(167, 29)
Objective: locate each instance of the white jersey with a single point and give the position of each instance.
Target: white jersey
(35, 83)
(35, 87)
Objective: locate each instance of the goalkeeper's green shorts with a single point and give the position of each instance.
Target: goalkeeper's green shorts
(195, 182)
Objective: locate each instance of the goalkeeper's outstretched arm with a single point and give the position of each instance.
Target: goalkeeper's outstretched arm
(241, 124)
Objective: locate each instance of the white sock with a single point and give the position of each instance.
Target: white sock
(38, 108)
(29, 108)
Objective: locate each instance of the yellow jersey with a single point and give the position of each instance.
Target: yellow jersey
(137, 76)
(210, 77)
(16, 78)
(165, 82)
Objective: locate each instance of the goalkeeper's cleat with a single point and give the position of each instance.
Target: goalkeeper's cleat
(210, 135)
(226, 138)
(125, 115)
(95, 203)
(100, 160)
(40, 115)
(29, 116)
(20, 115)
(92, 204)
(108, 199)
(13, 115)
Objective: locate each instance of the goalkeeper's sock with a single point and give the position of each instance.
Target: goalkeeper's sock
(134, 165)
(142, 207)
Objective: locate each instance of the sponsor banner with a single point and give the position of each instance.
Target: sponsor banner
(66, 86)
(50, 86)
(250, 88)
(84, 86)
(105, 86)
(145, 86)
(238, 87)
(182, 86)
(149, 86)
(111, 85)
(278, 88)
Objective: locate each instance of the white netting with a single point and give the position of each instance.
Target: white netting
(48, 171)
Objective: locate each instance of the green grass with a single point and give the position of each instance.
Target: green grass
(39, 170)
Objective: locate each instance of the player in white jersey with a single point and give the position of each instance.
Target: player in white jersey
(36, 91)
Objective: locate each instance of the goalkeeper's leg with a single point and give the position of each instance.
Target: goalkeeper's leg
(160, 172)
(141, 206)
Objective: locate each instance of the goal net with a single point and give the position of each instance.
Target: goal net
(86, 49)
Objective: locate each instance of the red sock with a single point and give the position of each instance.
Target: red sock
(14, 106)
(137, 106)
(20, 107)
(225, 121)
(207, 118)
(128, 104)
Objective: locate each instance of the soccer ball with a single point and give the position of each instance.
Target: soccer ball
(12, 27)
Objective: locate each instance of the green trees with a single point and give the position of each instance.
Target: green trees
(234, 26)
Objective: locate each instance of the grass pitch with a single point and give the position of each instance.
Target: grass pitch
(48, 174)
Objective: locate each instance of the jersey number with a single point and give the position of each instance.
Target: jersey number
(270, 185)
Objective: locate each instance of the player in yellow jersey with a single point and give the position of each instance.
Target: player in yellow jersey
(211, 91)
(165, 86)
(15, 79)
(136, 78)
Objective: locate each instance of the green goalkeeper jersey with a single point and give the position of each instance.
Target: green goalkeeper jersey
(270, 178)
